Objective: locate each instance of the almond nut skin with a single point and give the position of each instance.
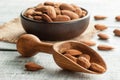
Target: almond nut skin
(97, 68)
(71, 14)
(65, 6)
(117, 18)
(37, 17)
(103, 36)
(29, 11)
(85, 56)
(105, 47)
(117, 32)
(31, 66)
(99, 17)
(46, 18)
(51, 12)
(100, 27)
(73, 52)
(71, 57)
(82, 61)
(61, 18)
(88, 42)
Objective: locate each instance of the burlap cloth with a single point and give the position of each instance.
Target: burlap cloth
(10, 31)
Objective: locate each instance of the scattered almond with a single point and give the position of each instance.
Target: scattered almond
(31, 66)
(73, 52)
(105, 47)
(83, 62)
(97, 68)
(117, 32)
(88, 42)
(117, 18)
(100, 27)
(99, 17)
(103, 36)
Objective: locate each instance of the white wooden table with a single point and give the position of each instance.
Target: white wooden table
(12, 65)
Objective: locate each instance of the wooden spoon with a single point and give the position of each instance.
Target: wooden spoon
(28, 45)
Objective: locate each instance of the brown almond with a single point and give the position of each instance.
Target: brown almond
(103, 36)
(51, 12)
(37, 13)
(29, 11)
(61, 18)
(42, 8)
(57, 10)
(71, 57)
(117, 18)
(49, 3)
(105, 47)
(46, 18)
(85, 56)
(30, 16)
(73, 52)
(37, 17)
(82, 61)
(88, 42)
(97, 68)
(65, 6)
(99, 17)
(117, 32)
(71, 14)
(31, 66)
(84, 13)
(100, 27)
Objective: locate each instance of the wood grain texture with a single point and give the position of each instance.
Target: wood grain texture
(12, 65)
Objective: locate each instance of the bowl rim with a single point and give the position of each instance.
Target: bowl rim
(32, 20)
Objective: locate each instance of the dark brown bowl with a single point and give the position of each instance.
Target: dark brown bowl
(55, 31)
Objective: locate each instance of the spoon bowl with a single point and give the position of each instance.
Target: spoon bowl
(29, 45)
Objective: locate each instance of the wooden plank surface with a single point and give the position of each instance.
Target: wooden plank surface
(12, 65)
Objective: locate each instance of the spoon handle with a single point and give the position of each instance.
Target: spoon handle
(46, 47)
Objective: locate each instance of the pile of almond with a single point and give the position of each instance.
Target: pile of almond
(83, 60)
(52, 12)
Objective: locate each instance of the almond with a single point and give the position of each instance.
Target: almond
(37, 17)
(71, 14)
(117, 32)
(29, 11)
(97, 68)
(46, 18)
(83, 13)
(117, 18)
(51, 12)
(79, 12)
(37, 13)
(103, 36)
(73, 52)
(65, 6)
(30, 16)
(61, 18)
(99, 17)
(100, 27)
(31, 66)
(88, 42)
(57, 10)
(105, 47)
(71, 57)
(83, 62)
(85, 56)
(49, 3)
